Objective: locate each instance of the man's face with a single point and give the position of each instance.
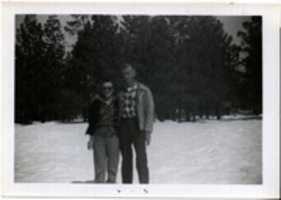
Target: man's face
(129, 74)
(107, 89)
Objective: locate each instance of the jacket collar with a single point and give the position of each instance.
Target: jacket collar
(103, 100)
(133, 87)
(140, 87)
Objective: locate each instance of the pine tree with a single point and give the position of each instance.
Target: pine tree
(182, 59)
(40, 65)
(233, 75)
(95, 55)
(52, 71)
(252, 49)
(30, 50)
(200, 63)
(149, 47)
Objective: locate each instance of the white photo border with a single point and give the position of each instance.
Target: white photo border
(271, 93)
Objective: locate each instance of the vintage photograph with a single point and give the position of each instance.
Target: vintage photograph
(138, 99)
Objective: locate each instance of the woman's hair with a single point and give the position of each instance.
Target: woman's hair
(105, 81)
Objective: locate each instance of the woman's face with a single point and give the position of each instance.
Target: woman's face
(107, 89)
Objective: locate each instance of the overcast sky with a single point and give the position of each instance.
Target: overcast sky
(232, 24)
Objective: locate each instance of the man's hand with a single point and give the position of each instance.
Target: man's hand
(90, 143)
(147, 137)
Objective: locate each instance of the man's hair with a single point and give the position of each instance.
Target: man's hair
(126, 65)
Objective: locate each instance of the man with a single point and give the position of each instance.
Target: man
(103, 122)
(136, 123)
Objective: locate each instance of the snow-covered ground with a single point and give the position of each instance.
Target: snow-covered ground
(205, 152)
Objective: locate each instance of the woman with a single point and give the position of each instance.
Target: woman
(103, 120)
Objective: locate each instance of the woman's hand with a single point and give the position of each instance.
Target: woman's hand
(90, 143)
(147, 137)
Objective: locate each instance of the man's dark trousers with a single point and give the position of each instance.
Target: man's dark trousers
(130, 134)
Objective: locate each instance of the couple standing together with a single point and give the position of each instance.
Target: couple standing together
(118, 122)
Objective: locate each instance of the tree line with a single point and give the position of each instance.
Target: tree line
(191, 64)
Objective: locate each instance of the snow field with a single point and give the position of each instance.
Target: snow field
(205, 152)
